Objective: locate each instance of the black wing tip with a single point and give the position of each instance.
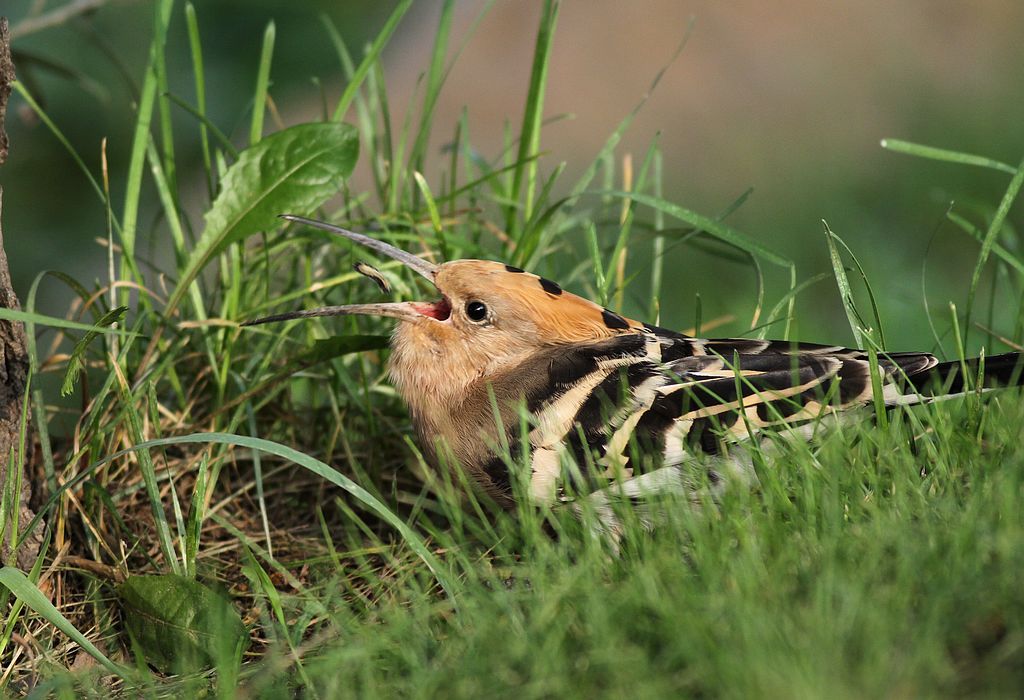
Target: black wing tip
(999, 371)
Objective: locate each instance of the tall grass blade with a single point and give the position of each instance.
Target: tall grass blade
(834, 240)
(853, 316)
(140, 141)
(259, 100)
(716, 229)
(370, 59)
(53, 322)
(994, 229)
(149, 477)
(877, 397)
(55, 130)
(435, 214)
(222, 140)
(436, 75)
(199, 78)
(613, 140)
(1000, 252)
(533, 115)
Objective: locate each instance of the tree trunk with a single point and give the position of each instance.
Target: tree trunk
(14, 366)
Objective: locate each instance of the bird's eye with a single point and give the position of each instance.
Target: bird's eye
(476, 311)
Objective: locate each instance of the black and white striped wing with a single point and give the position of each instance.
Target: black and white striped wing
(655, 407)
(630, 405)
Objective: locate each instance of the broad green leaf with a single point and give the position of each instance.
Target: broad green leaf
(180, 625)
(77, 361)
(294, 170)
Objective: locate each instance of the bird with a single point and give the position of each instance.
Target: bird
(539, 394)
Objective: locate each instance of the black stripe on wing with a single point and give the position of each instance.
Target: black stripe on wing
(567, 365)
(701, 394)
(678, 345)
(947, 377)
(600, 414)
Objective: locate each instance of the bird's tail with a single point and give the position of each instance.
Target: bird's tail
(949, 379)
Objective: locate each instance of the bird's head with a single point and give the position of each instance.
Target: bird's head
(490, 319)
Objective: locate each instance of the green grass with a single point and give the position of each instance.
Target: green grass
(275, 467)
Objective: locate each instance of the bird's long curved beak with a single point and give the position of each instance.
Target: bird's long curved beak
(404, 310)
(427, 269)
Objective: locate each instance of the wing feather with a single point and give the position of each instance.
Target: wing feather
(654, 398)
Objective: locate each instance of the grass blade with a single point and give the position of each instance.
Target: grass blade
(371, 57)
(32, 317)
(133, 188)
(199, 78)
(845, 291)
(205, 123)
(716, 229)
(877, 397)
(533, 115)
(435, 81)
(45, 118)
(972, 231)
(149, 478)
(933, 153)
(164, 112)
(435, 215)
(613, 140)
(259, 99)
(994, 228)
(834, 255)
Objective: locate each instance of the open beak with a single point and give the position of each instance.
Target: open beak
(404, 310)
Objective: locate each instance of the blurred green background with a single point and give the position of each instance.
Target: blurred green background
(790, 99)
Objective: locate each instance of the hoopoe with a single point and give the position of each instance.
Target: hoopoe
(608, 399)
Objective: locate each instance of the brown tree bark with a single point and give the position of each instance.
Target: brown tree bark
(14, 365)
